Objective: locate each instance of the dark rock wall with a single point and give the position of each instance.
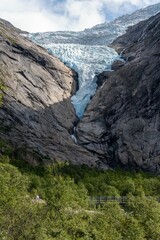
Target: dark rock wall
(122, 123)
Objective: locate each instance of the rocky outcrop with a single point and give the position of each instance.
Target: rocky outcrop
(37, 116)
(122, 123)
(10, 26)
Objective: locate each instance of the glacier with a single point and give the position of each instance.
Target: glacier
(87, 61)
(88, 51)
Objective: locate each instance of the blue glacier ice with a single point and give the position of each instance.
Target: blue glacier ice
(87, 52)
(87, 61)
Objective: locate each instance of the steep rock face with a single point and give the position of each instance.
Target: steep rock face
(37, 115)
(122, 123)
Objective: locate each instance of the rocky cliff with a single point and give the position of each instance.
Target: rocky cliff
(37, 116)
(122, 123)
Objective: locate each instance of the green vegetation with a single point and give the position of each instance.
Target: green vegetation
(1, 93)
(64, 212)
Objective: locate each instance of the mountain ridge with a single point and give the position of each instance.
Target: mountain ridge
(100, 34)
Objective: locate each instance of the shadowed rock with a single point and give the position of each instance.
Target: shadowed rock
(122, 123)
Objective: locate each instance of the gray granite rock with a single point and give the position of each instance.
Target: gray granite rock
(37, 115)
(122, 123)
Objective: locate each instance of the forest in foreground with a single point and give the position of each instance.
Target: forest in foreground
(53, 202)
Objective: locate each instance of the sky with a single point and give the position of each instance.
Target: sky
(74, 15)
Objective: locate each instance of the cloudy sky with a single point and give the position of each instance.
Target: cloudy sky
(53, 15)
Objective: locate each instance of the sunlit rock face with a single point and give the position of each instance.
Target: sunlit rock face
(37, 115)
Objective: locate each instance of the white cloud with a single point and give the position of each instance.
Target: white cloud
(53, 15)
(27, 15)
(83, 14)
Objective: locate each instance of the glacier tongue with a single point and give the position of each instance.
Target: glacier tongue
(87, 61)
(86, 51)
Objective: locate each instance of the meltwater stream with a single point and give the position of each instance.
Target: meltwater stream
(87, 61)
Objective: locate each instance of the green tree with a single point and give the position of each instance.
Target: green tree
(19, 217)
(132, 229)
(147, 211)
(1, 92)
